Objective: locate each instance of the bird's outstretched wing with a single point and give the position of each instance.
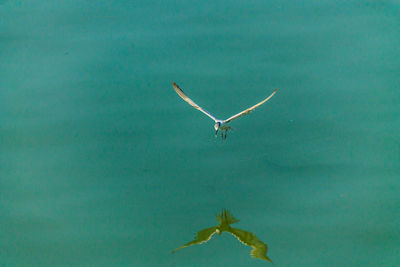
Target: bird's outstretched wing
(201, 237)
(249, 239)
(247, 111)
(190, 101)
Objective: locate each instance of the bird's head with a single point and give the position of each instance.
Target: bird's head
(218, 231)
(216, 127)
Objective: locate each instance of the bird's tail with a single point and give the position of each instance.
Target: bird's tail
(226, 217)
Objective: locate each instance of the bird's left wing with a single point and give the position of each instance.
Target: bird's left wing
(201, 237)
(247, 111)
(190, 101)
(249, 239)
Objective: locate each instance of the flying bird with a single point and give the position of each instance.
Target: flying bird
(219, 124)
(225, 219)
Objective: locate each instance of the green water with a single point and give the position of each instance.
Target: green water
(102, 164)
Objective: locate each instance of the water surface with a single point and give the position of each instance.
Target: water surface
(102, 164)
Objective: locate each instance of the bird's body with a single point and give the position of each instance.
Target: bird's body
(259, 249)
(219, 124)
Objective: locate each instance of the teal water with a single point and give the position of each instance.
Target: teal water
(102, 164)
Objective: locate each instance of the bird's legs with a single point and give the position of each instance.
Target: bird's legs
(226, 130)
(222, 129)
(224, 134)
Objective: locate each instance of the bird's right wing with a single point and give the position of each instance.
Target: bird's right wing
(201, 237)
(187, 99)
(249, 239)
(250, 109)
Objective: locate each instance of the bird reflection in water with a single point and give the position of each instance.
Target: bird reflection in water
(225, 219)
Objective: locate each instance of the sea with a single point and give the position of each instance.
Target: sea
(103, 164)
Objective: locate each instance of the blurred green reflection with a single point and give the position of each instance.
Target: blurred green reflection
(225, 219)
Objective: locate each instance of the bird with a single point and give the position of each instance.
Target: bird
(219, 124)
(225, 219)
